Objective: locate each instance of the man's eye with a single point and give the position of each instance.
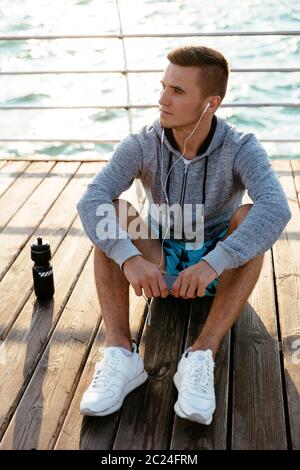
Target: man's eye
(178, 92)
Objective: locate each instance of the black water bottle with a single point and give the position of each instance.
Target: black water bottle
(42, 270)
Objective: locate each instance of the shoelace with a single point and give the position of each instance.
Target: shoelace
(201, 373)
(102, 376)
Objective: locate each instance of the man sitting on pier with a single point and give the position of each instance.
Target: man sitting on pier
(188, 158)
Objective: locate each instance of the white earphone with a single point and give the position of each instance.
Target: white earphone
(180, 158)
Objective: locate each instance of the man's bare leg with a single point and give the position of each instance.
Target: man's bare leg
(113, 287)
(233, 290)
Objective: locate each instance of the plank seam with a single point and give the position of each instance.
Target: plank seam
(229, 437)
(281, 361)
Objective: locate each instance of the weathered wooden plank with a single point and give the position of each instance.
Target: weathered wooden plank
(286, 254)
(24, 222)
(30, 333)
(258, 412)
(89, 433)
(188, 435)
(21, 189)
(45, 402)
(16, 285)
(9, 172)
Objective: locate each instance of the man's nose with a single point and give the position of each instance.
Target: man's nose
(164, 99)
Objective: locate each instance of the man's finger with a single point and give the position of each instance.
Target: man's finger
(200, 291)
(163, 287)
(155, 288)
(191, 292)
(184, 287)
(137, 289)
(176, 287)
(147, 291)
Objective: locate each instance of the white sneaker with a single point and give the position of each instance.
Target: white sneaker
(194, 381)
(115, 376)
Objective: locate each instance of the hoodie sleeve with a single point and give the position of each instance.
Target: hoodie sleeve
(96, 209)
(267, 218)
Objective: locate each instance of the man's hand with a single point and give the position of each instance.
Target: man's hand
(192, 281)
(143, 274)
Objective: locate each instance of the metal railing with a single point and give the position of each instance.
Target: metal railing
(115, 141)
(127, 71)
(121, 35)
(147, 106)
(128, 106)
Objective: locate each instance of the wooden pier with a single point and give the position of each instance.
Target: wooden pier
(48, 352)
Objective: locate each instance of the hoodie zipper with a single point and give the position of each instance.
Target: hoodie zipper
(183, 186)
(186, 167)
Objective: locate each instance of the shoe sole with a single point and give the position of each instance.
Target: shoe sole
(196, 417)
(130, 387)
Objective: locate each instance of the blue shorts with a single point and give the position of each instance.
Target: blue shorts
(179, 258)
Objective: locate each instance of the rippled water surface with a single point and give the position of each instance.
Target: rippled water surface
(66, 17)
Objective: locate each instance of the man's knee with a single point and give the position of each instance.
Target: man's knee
(239, 215)
(123, 205)
(125, 212)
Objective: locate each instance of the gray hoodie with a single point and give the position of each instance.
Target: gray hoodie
(236, 162)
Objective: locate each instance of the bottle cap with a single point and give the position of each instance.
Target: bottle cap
(40, 250)
(40, 245)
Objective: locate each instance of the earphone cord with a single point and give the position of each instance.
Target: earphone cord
(149, 313)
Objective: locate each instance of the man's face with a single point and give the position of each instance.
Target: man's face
(180, 101)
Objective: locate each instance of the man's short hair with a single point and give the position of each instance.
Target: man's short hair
(214, 67)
